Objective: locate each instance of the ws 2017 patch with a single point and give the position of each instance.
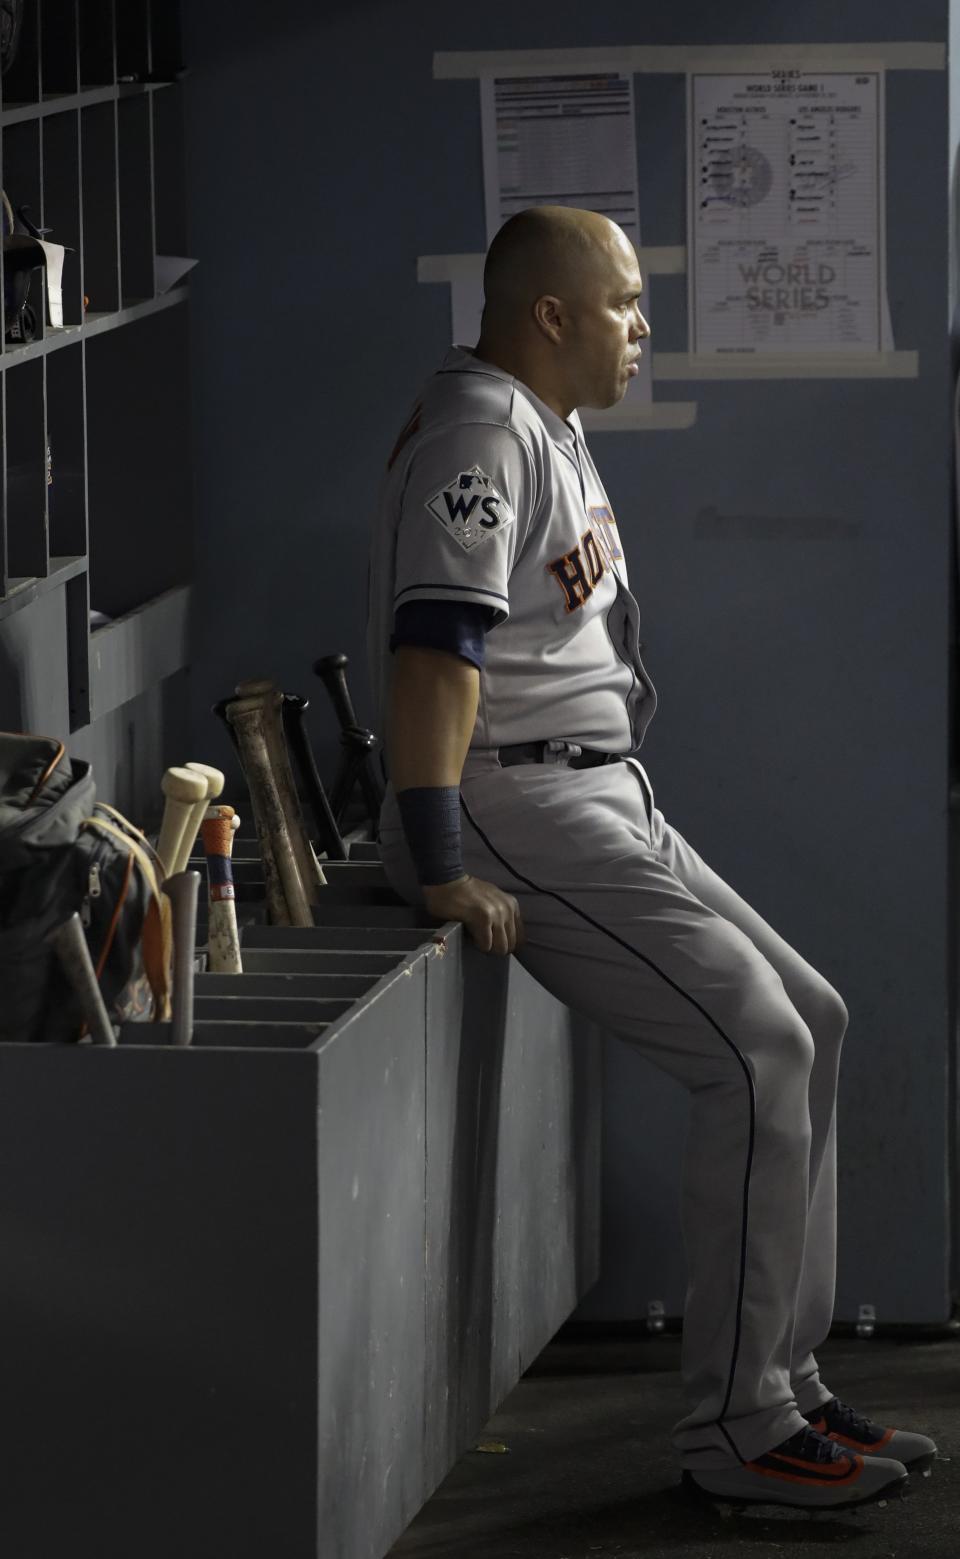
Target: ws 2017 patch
(470, 508)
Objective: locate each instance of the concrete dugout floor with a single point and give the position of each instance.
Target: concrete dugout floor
(589, 1472)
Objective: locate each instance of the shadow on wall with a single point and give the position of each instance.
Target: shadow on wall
(954, 278)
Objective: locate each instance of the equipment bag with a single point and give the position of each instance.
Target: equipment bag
(11, 22)
(22, 255)
(62, 850)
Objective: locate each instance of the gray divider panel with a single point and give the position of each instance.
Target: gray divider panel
(266, 1289)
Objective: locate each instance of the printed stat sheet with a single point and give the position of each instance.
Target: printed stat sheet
(786, 220)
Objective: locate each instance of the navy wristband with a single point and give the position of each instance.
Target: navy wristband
(430, 815)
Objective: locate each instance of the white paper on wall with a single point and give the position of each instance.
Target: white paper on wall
(786, 230)
(563, 140)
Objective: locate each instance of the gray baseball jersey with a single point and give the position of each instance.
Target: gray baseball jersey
(492, 497)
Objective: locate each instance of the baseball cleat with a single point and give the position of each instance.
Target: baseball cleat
(852, 1432)
(808, 1471)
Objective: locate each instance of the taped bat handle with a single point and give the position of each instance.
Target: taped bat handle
(223, 940)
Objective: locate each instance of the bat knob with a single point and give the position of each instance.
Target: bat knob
(214, 778)
(255, 687)
(181, 784)
(329, 663)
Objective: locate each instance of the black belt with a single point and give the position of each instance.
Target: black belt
(535, 752)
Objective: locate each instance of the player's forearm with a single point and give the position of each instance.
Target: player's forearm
(431, 715)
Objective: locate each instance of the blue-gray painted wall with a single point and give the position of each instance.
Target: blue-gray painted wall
(792, 553)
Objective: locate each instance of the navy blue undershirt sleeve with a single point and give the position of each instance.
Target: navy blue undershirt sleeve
(457, 626)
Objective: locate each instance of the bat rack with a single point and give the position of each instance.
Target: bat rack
(91, 147)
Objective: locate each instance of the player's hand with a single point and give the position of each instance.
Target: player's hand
(491, 916)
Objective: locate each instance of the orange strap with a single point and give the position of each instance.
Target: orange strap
(156, 937)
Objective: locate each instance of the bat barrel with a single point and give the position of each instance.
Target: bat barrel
(287, 898)
(274, 731)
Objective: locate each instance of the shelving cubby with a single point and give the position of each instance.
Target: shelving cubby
(94, 474)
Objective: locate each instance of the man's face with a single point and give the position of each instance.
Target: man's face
(607, 329)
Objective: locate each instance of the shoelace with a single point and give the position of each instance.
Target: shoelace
(813, 1446)
(847, 1421)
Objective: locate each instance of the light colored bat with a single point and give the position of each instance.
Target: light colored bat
(311, 872)
(288, 901)
(215, 783)
(71, 948)
(182, 891)
(182, 789)
(223, 939)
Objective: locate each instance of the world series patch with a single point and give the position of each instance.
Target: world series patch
(470, 508)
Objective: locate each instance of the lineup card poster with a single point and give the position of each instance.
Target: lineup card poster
(786, 217)
(563, 141)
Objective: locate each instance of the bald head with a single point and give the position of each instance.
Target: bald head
(561, 250)
(561, 305)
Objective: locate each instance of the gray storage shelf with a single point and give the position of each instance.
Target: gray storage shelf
(20, 592)
(318, 973)
(71, 101)
(94, 414)
(138, 649)
(289, 1271)
(93, 325)
(298, 981)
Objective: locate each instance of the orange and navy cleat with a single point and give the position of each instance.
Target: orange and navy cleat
(852, 1432)
(807, 1472)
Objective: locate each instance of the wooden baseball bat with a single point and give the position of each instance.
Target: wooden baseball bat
(311, 871)
(294, 725)
(357, 746)
(288, 902)
(332, 671)
(71, 948)
(356, 762)
(215, 783)
(223, 939)
(182, 891)
(182, 790)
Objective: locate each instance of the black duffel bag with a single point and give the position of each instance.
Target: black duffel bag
(61, 850)
(11, 21)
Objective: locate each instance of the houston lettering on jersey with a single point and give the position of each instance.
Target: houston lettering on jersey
(579, 571)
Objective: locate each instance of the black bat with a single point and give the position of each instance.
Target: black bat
(356, 760)
(324, 813)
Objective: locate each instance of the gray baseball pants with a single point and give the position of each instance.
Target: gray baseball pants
(626, 924)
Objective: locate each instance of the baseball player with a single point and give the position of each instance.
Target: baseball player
(504, 653)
